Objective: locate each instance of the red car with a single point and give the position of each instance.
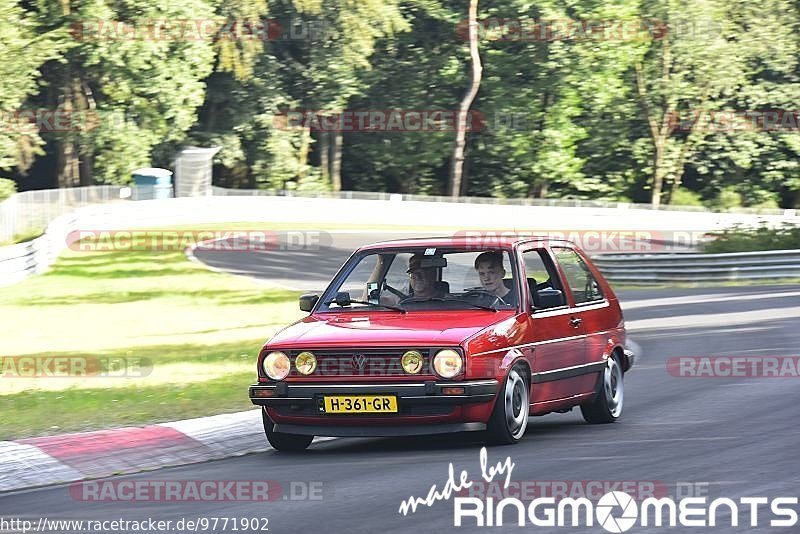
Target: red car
(438, 335)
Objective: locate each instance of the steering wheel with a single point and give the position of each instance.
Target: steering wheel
(395, 291)
(483, 294)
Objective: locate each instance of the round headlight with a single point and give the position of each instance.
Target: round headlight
(305, 362)
(448, 363)
(412, 362)
(276, 365)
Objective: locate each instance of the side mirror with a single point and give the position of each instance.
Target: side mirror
(308, 301)
(550, 298)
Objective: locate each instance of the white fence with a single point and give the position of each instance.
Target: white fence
(32, 211)
(549, 202)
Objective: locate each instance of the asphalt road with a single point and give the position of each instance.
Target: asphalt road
(304, 260)
(725, 437)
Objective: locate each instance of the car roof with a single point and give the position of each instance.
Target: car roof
(478, 241)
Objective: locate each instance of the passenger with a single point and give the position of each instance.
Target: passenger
(489, 266)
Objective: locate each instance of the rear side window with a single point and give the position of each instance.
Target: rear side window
(581, 282)
(543, 282)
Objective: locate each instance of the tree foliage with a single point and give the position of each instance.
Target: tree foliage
(632, 100)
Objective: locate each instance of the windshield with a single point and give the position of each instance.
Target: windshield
(425, 279)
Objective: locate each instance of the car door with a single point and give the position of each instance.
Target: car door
(590, 306)
(556, 339)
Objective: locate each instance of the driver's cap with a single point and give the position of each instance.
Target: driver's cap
(415, 263)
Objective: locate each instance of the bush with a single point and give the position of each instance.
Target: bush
(726, 199)
(741, 239)
(685, 197)
(7, 188)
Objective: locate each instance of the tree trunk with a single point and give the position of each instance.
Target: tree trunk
(658, 174)
(457, 160)
(68, 167)
(86, 168)
(336, 162)
(67, 163)
(302, 155)
(324, 155)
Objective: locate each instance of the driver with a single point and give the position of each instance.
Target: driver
(489, 266)
(422, 280)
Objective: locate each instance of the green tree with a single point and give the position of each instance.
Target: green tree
(144, 90)
(23, 50)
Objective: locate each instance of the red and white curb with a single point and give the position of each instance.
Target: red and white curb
(48, 460)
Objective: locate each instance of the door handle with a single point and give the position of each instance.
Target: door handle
(575, 322)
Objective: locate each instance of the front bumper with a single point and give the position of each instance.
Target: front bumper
(308, 396)
(376, 431)
(422, 408)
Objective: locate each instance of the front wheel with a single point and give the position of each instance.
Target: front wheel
(284, 442)
(509, 418)
(606, 407)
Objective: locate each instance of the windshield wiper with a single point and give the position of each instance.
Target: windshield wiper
(364, 302)
(462, 301)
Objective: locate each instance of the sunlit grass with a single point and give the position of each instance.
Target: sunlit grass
(37, 412)
(98, 301)
(200, 331)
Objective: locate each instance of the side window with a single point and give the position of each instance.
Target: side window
(579, 278)
(397, 276)
(356, 282)
(543, 282)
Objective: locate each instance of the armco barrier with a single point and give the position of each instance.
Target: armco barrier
(688, 268)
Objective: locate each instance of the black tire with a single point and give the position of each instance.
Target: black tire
(509, 417)
(606, 406)
(284, 442)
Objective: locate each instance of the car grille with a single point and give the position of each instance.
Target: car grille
(362, 362)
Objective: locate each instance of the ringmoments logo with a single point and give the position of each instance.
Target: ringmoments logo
(615, 511)
(618, 511)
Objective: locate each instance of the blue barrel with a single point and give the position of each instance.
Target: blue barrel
(152, 183)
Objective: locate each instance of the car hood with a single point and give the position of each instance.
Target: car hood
(386, 329)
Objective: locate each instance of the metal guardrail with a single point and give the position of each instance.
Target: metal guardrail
(19, 261)
(648, 269)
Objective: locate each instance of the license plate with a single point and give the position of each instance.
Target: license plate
(361, 404)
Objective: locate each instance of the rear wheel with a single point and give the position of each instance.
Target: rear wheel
(284, 442)
(606, 407)
(509, 418)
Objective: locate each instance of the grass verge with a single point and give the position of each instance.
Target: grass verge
(200, 331)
